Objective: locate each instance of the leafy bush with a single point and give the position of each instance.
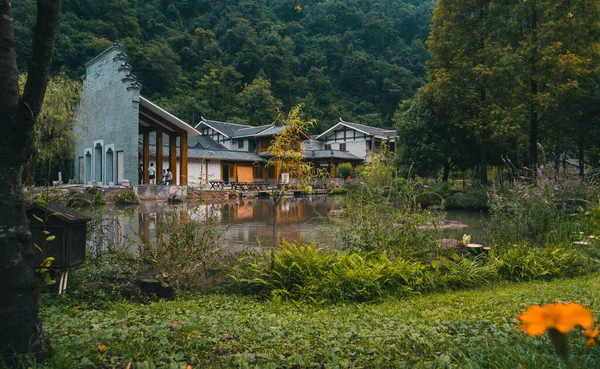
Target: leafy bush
(376, 227)
(97, 281)
(305, 272)
(90, 197)
(127, 197)
(187, 252)
(345, 170)
(521, 263)
(473, 198)
(340, 191)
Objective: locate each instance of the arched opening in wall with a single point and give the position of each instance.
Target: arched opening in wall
(110, 176)
(88, 167)
(98, 163)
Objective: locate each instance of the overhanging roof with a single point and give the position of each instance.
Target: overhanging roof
(166, 120)
(367, 130)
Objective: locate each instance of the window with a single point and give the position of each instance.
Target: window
(240, 144)
(327, 147)
(343, 147)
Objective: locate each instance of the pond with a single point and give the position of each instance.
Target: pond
(248, 223)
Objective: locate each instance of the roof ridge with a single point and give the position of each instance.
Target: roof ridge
(233, 124)
(364, 125)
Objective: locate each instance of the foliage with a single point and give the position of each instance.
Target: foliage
(504, 76)
(523, 263)
(97, 282)
(344, 170)
(126, 197)
(53, 130)
(350, 59)
(188, 252)
(371, 224)
(287, 157)
(474, 197)
(339, 191)
(90, 197)
(541, 213)
(305, 272)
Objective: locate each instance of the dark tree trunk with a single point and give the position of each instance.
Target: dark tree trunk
(446, 172)
(483, 174)
(533, 113)
(20, 325)
(581, 156)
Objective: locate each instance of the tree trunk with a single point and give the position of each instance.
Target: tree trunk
(533, 113)
(446, 172)
(483, 173)
(20, 325)
(581, 156)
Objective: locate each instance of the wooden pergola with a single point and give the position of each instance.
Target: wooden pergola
(153, 118)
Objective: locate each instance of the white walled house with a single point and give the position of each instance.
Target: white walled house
(357, 139)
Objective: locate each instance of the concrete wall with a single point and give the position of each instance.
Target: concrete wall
(107, 117)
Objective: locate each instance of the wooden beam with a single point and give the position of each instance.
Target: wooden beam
(159, 154)
(158, 122)
(146, 159)
(173, 156)
(183, 162)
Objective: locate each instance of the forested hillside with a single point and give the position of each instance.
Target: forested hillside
(246, 60)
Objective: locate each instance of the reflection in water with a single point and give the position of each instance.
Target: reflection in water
(248, 223)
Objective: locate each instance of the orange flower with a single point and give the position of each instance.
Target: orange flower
(298, 8)
(102, 348)
(590, 336)
(560, 316)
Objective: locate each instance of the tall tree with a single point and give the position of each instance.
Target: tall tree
(20, 324)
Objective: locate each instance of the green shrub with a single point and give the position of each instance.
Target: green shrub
(344, 170)
(522, 263)
(90, 197)
(127, 197)
(305, 272)
(340, 191)
(189, 252)
(473, 198)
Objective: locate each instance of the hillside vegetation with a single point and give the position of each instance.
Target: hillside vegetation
(247, 60)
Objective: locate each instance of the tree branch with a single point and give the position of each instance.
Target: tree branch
(9, 73)
(44, 33)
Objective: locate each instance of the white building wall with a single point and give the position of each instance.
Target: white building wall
(357, 148)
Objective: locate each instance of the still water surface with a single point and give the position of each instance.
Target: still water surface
(248, 223)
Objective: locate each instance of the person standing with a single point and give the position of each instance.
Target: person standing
(152, 174)
(163, 177)
(169, 177)
(140, 174)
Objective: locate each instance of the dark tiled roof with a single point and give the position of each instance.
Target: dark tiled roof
(272, 130)
(204, 142)
(250, 132)
(371, 130)
(335, 154)
(224, 155)
(227, 129)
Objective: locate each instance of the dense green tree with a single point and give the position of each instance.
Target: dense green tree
(257, 104)
(369, 51)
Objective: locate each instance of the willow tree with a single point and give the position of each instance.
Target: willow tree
(20, 324)
(53, 131)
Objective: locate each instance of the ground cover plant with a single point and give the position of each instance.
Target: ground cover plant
(469, 329)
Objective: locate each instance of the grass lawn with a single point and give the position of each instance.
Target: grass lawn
(469, 329)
